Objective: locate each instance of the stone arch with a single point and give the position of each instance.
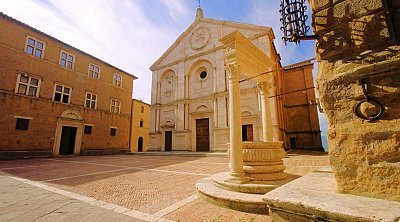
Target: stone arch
(71, 115)
(167, 73)
(202, 108)
(168, 85)
(168, 123)
(248, 111)
(246, 114)
(204, 64)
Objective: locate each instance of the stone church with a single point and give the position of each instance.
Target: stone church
(189, 100)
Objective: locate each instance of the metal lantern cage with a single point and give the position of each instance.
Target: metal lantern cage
(294, 20)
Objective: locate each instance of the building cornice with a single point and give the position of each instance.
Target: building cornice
(263, 29)
(6, 17)
(64, 104)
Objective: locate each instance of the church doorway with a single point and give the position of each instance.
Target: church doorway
(168, 141)
(202, 135)
(293, 142)
(140, 144)
(247, 132)
(67, 143)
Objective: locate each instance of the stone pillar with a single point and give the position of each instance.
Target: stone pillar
(158, 99)
(235, 120)
(215, 112)
(358, 75)
(186, 116)
(266, 112)
(157, 120)
(186, 87)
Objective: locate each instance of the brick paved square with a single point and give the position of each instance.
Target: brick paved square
(155, 186)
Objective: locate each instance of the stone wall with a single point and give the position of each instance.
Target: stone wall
(357, 43)
(42, 110)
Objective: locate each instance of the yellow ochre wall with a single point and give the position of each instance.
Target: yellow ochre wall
(138, 131)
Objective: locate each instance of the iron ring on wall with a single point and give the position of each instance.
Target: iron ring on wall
(377, 104)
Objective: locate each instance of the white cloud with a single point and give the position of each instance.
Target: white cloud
(132, 34)
(119, 32)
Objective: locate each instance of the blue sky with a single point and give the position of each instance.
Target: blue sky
(132, 34)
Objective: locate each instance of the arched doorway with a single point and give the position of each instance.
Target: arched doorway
(68, 136)
(140, 144)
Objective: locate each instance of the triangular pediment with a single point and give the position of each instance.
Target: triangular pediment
(182, 47)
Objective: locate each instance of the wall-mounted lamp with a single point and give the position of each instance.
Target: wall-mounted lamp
(294, 20)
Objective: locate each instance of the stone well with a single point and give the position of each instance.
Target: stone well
(263, 160)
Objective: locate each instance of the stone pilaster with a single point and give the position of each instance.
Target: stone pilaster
(266, 112)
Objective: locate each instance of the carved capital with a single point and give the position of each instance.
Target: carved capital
(233, 70)
(263, 87)
(230, 54)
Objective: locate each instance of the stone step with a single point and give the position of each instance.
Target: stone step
(181, 153)
(251, 203)
(253, 187)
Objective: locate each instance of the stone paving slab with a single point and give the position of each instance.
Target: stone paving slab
(23, 202)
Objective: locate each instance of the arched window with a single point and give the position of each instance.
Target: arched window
(142, 109)
(141, 123)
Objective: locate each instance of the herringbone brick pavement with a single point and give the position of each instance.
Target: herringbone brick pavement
(154, 185)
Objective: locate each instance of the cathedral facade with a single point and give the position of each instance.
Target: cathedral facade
(189, 101)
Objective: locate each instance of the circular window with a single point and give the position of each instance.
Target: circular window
(203, 75)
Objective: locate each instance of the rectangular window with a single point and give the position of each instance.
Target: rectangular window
(94, 71)
(113, 131)
(88, 129)
(91, 100)
(22, 124)
(115, 106)
(67, 60)
(27, 85)
(62, 93)
(117, 80)
(34, 47)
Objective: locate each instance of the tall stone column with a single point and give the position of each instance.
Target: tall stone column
(235, 120)
(157, 120)
(158, 99)
(266, 112)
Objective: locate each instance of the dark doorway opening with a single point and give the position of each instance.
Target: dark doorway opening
(202, 135)
(293, 143)
(67, 143)
(247, 132)
(168, 141)
(140, 144)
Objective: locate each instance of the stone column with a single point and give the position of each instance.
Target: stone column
(266, 112)
(186, 116)
(158, 99)
(157, 120)
(235, 120)
(215, 112)
(186, 86)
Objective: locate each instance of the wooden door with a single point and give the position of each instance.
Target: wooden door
(67, 143)
(293, 143)
(168, 141)
(247, 132)
(202, 135)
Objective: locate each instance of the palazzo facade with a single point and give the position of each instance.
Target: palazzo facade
(58, 100)
(190, 102)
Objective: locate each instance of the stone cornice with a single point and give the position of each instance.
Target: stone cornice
(210, 97)
(263, 29)
(241, 51)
